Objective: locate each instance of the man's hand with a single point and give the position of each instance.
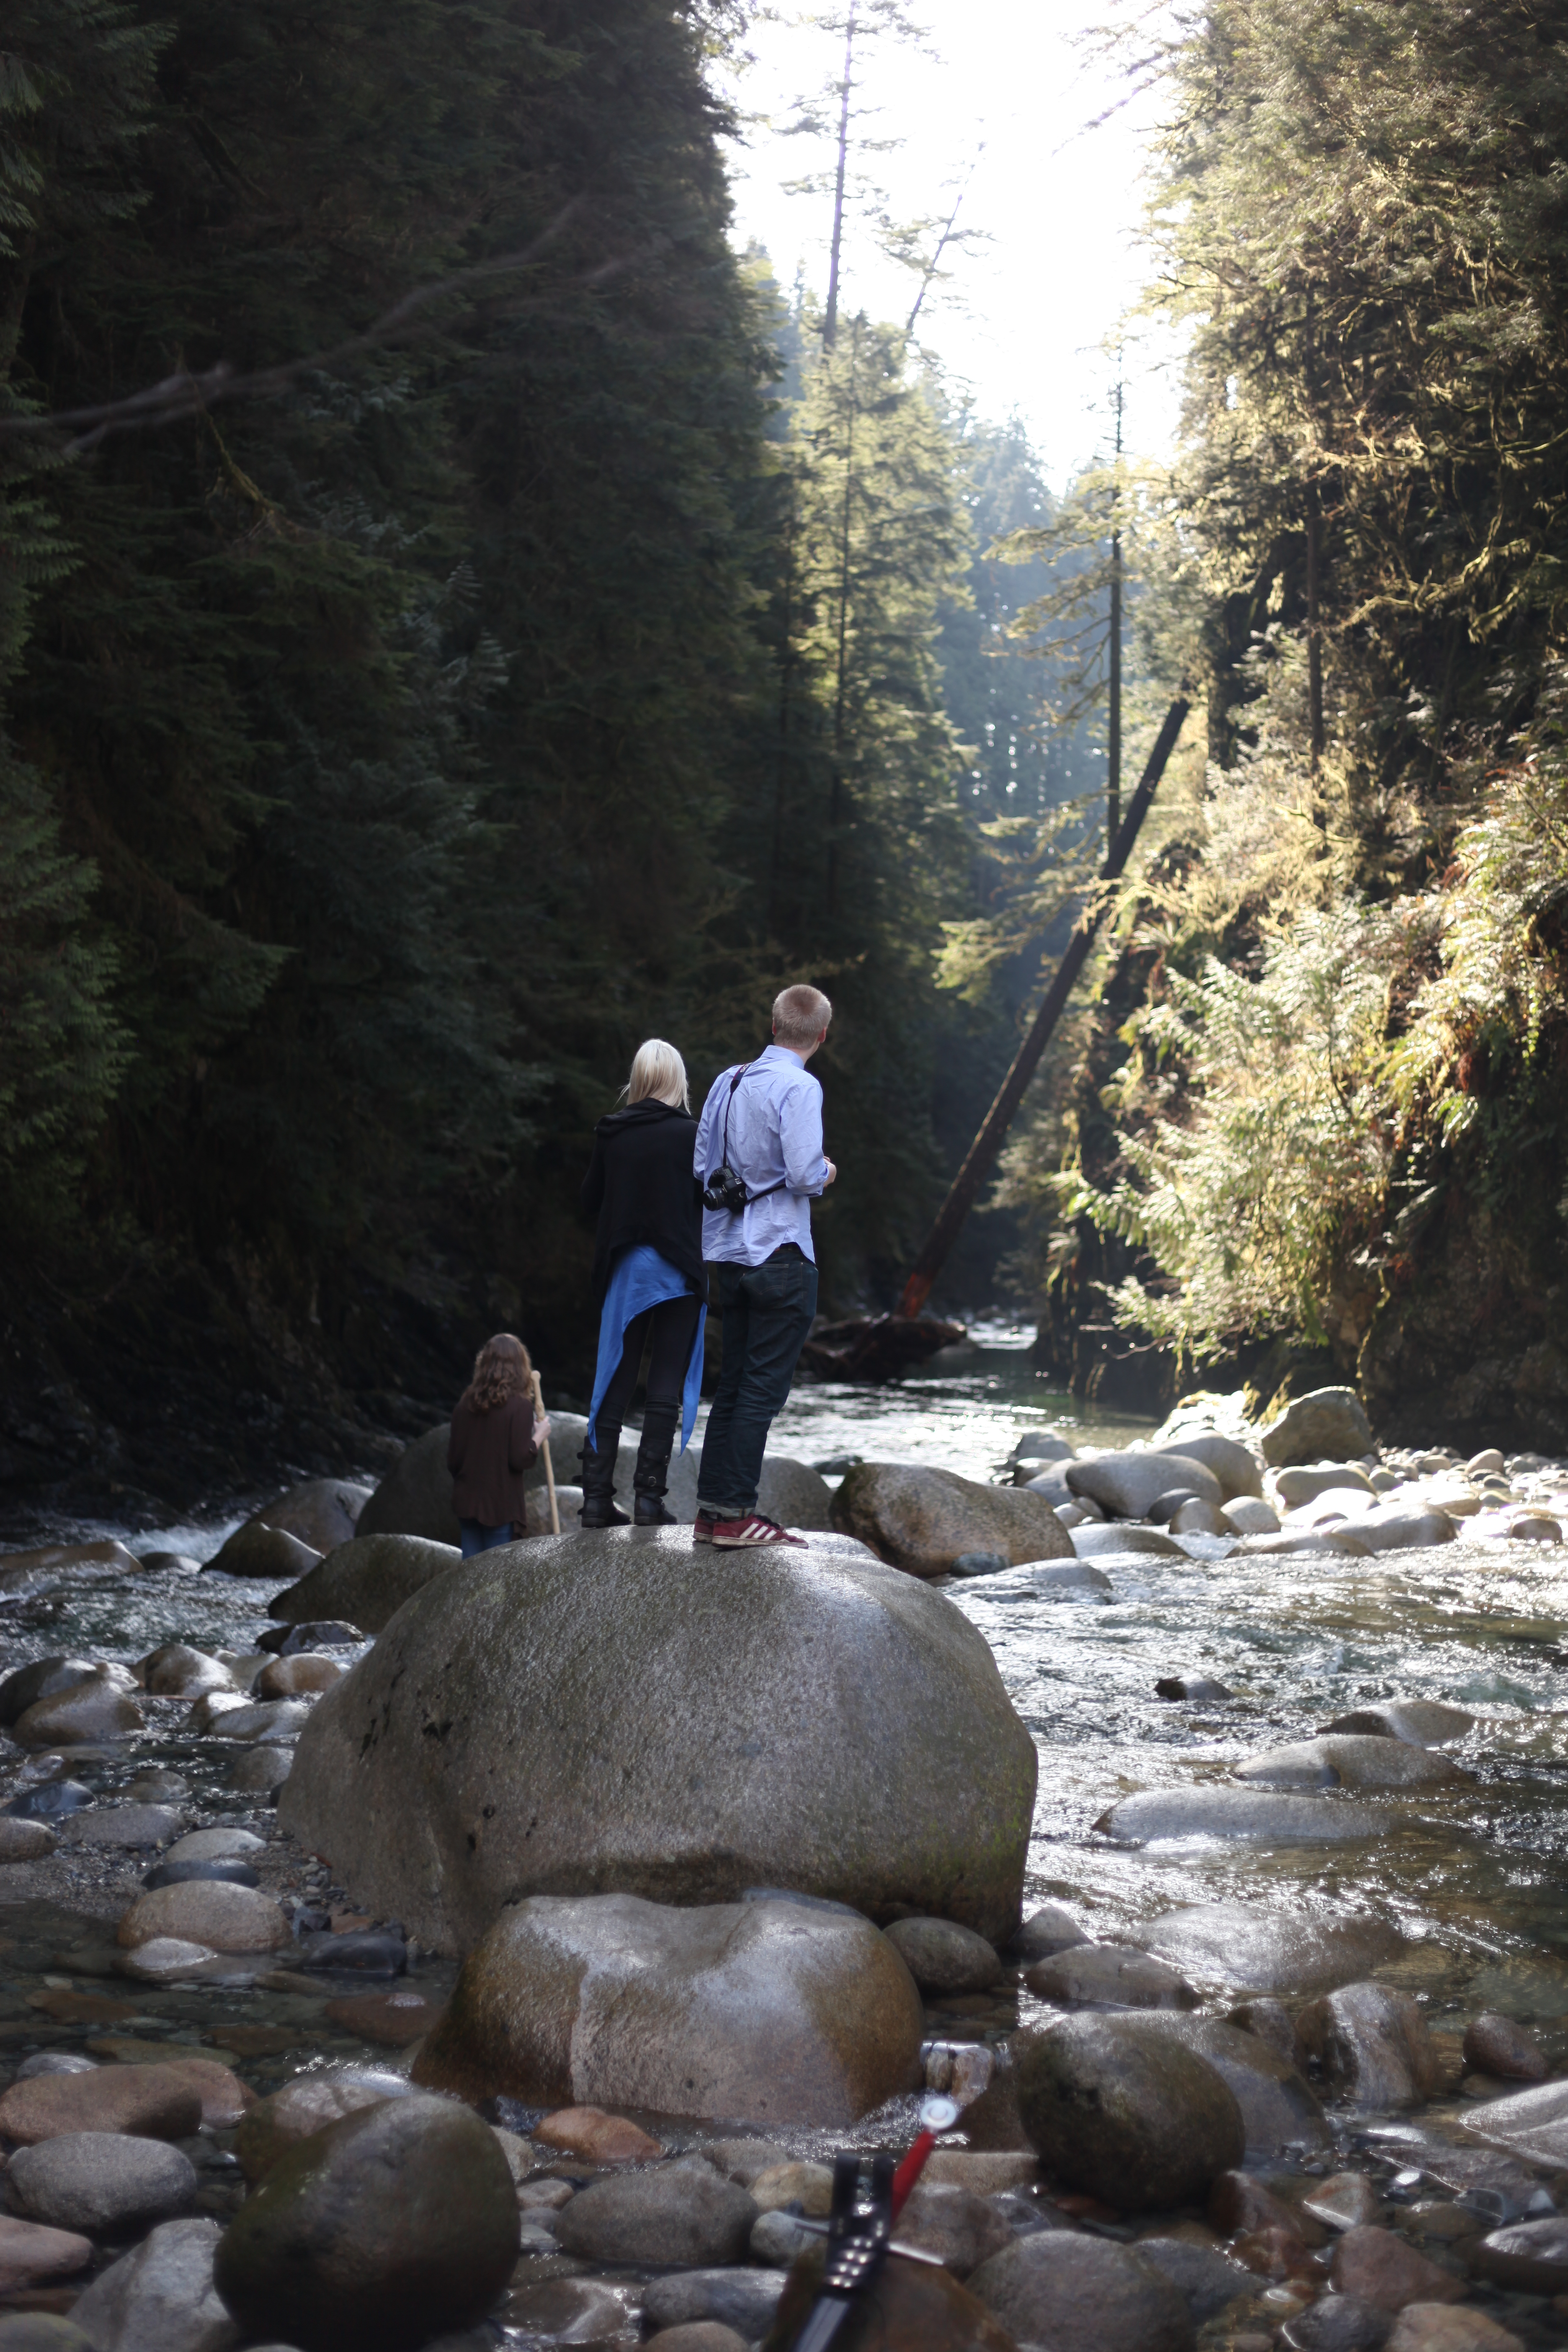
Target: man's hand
(832, 1172)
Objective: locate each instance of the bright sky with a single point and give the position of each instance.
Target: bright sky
(1024, 320)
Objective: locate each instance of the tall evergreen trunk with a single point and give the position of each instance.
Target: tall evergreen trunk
(841, 683)
(1113, 683)
(830, 315)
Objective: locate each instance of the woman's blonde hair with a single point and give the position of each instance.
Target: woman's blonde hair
(503, 1369)
(658, 1075)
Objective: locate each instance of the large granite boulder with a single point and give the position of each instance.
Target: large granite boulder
(414, 1498)
(1327, 1425)
(922, 1521)
(1119, 2108)
(1129, 1485)
(774, 2012)
(320, 1514)
(364, 1582)
(627, 1712)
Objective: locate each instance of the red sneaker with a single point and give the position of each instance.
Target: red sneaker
(751, 1532)
(702, 1528)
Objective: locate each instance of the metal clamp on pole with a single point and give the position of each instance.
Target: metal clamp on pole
(868, 2194)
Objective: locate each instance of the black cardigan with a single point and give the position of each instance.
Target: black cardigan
(641, 1186)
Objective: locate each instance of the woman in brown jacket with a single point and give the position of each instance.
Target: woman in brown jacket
(494, 1441)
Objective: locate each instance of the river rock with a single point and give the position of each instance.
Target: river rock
(25, 1841)
(1063, 2293)
(1387, 2271)
(1177, 1816)
(1043, 1446)
(108, 2183)
(293, 1677)
(603, 2139)
(1198, 1518)
(1341, 1539)
(1531, 2124)
(49, 1801)
(208, 1911)
(832, 1726)
(365, 1581)
(921, 1520)
(699, 2306)
(1496, 2045)
(1278, 2109)
(944, 1957)
(1247, 1948)
(1131, 2117)
(1205, 2279)
(129, 1827)
(1345, 2201)
(772, 2011)
(45, 1678)
(32, 2256)
(165, 1961)
(1370, 2046)
(414, 1498)
(55, 1564)
(1118, 1538)
(322, 1512)
(261, 1769)
(909, 2308)
(302, 2107)
(1327, 1425)
(677, 2213)
(221, 1844)
(391, 2019)
(223, 2096)
(258, 1550)
(147, 2102)
(1049, 1929)
(1236, 1467)
(375, 2234)
(40, 2331)
(268, 1720)
(97, 1707)
(1347, 1760)
(1528, 2257)
(177, 1671)
(1418, 1722)
(1250, 1516)
(1395, 1528)
(1339, 2322)
(161, 2297)
(1108, 1975)
(1438, 2327)
(962, 2230)
(1128, 1483)
(1306, 1483)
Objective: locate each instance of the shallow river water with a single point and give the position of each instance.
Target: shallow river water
(1474, 1873)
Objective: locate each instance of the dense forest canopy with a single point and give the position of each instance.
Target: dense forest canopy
(405, 719)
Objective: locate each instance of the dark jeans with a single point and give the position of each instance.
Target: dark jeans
(767, 1312)
(476, 1538)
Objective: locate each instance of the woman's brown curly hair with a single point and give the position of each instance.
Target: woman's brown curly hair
(503, 1369)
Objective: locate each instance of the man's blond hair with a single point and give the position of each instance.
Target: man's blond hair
(800, 1013)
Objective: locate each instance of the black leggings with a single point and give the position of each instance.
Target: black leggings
(674, 1327)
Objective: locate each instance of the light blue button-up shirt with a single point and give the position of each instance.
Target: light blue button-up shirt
(775, 1131)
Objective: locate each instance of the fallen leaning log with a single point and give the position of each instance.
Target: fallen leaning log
(880, 1346)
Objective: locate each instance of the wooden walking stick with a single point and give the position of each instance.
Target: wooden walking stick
(549, 1465)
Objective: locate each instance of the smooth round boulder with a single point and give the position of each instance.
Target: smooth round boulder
(1049, 1929)
(944, 1957)
(178, 1671)
(45, 1678)
(322, 1512)
(1181, 1816)
(260, 1769)
(1131, 2117)
(1237, 1468)
(97, 1707)
(165, 1961)
(1115, 1538)
(1253, 1947)
(1528, 2257)
(302, 2107)
(1325, 1425)
(181, 1873)
(777, 2012)
(1064, 2293)
(1496, 2045)
(207, 1911)
(305, 1672)
(414, 1498)
(160, 2297)
(130, 1828)
(41, 2331)
(258, 1550)
(107, 2183)
(1108, 1975)
(1345, 1760)
(1129, 1483)
(1278, 2108)
(389, 2227)
(25, 1841)
(365, 1581)
(268, 1721)
(1419, 1722)
(215, 1846)
(603, 1707)
(49, 1799)
(677, 2213)
(922, 1521)
(148, 2102)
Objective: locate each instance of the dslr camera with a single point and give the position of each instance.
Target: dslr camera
(725, 1190)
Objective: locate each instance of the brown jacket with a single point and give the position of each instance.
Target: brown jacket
(486, 1455)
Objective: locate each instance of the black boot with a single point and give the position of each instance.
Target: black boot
(599, 1482)
(653, 1466)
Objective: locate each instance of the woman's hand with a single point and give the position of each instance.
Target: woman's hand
(541, 1431)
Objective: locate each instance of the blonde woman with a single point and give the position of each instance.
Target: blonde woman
(494, 1441)
(649, 1279)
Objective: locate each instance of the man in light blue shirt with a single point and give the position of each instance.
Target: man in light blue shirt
(763, 1121)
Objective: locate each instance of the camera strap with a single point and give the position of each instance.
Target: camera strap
(725, 1149)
